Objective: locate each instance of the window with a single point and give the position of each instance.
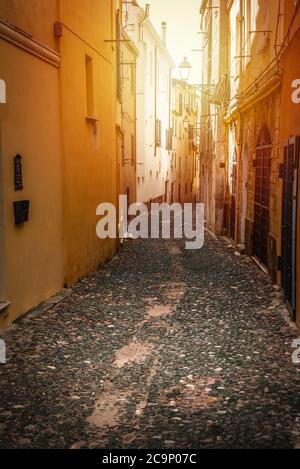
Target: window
(132, 149)
(132, 78)
(89, 86)
(151, 67)
(123, 151)
(169, 137)
(158, 128)
(180, 104)
(247, 27)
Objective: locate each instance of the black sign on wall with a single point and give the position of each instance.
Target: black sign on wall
(18, 176)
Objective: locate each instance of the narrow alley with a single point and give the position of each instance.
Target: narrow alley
(161, 348)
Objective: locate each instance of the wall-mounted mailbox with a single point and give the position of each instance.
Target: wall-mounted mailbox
(18, 176)
(21, 211)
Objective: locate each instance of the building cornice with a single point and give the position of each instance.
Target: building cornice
(159, 42)
(26, 42)
(187, 87)
(244, 105)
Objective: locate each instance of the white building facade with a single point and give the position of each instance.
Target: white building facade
(153, 88)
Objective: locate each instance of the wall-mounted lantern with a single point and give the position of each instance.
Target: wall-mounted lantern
(18, 175)
(185, 69)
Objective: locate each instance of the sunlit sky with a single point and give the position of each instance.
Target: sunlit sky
(183, 19)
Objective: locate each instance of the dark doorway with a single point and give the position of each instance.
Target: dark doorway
(289, 222)
(233, 196)
(262, 166)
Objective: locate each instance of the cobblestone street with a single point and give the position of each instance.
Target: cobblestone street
(162, 348)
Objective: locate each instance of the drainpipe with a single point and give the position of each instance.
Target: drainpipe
(170, 96)
(164, 32)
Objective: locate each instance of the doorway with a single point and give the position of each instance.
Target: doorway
(289, 223)
(233, 195)
(2, 249)
(262, 166)
(244, 195)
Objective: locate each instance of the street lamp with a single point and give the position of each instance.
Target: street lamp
(185, 69)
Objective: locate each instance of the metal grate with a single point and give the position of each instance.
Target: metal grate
(261, 226)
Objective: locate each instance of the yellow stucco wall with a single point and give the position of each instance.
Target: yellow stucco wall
(36, 17)
(89, 147)
(185, 185)
(69, 162)
(32, 254)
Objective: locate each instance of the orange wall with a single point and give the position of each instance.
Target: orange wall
(69, 165)
(36, 17)
(290, 125)
(89, 148)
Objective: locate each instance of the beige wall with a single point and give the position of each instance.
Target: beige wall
(213, 148)
(183, 174)
(128, 119)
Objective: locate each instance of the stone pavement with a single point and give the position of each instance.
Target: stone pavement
(162, 348)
